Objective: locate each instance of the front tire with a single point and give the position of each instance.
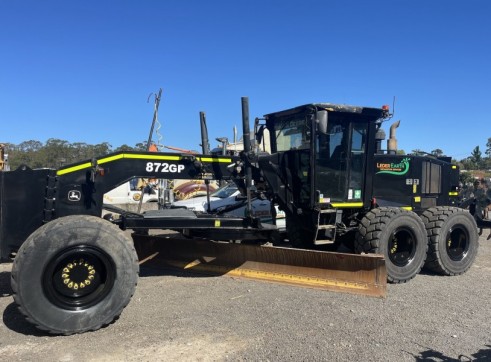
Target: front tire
(399, 235)
(74, 274)
(453, 240)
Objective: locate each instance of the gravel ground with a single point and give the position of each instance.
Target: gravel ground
(179, 317)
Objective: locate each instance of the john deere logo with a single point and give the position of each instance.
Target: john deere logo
(400, 168)
(74, 195)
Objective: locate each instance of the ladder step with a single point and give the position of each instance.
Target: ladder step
(328, 211)
(323, 242)
(326, 227)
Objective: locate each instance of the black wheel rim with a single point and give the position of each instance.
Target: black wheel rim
(79, 277)
(402, 247)
(457, 242)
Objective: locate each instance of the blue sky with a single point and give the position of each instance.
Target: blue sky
(82, 71)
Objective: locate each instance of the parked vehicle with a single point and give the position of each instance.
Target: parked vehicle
(128, 193)
(229, 201)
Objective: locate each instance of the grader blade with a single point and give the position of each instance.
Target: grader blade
(358, 274)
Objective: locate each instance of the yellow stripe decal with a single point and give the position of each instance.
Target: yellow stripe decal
(347, 204)
(140, 157)
(407, 208)
(214, 159)
(73, 169)
(154, 157)
(109, 159)
(417, 198)
(452, 193)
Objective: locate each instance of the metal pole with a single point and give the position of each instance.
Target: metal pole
(155, 114)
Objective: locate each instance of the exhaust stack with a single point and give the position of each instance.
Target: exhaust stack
(205, 144)
(392, 141)
(246, 132)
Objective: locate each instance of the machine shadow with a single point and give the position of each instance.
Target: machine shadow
(484, 354)
(16, 322)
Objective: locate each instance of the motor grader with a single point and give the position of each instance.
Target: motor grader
(342, 195)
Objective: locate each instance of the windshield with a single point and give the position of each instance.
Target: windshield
(225, 191)
(292, 133)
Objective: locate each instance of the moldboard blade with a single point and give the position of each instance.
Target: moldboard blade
(358, 274)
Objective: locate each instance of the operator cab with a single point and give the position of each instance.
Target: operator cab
(320, 152)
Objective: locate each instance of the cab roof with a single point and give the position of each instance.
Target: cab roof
(331, 107)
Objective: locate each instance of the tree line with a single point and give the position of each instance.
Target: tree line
(55, 153)
(475, 161)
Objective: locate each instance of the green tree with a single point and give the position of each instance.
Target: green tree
(141, 146)
(79, 151)
(467, 164)
(124, 148)
(437, 152)
(488, 148)
(54, 154)
(466, 178)
(101, 149)
(418, 152)
(25, 153)
(30, 146)
(476, 157)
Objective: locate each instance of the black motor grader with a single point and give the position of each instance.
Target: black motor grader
(75, 271)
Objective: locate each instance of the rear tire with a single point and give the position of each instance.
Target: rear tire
(399, 235)
(453, 240)
(74, 274)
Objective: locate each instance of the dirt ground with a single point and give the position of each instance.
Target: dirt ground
(175, 316)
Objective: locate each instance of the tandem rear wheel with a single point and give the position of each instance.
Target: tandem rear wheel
(74, 274)
(399, 235)
(453, 240)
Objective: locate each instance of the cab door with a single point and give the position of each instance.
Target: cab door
(340, 161)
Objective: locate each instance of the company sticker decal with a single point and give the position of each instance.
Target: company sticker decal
(392, 168)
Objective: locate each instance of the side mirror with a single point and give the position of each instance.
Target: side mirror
(321, 120)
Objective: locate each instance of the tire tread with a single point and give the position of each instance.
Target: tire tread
(368, 239)
(434, 220)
